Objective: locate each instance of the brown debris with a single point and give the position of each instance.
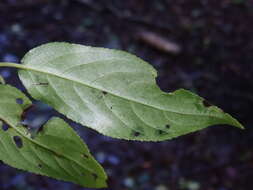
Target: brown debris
(159, 42)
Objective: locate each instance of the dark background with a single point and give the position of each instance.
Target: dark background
(215, 61)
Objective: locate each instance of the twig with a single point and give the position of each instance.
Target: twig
(159, 42)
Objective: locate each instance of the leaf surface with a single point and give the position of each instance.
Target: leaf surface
(2, 80)
(56, 151)
(114, 93)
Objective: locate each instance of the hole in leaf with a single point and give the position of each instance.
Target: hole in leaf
(167, 126)
(136, 133)
(161, 132)
(206, 103)
(19, 101)
(5, 127)
(18, 141)
(104, 92)
(85, 156)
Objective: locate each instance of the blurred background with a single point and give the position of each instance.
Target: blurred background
(205, 46)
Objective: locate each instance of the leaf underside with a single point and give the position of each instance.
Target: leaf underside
(114, 93)
(56, 151)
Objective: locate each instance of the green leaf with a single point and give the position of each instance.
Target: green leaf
(56, 151)
(114, 93)
(2, 81)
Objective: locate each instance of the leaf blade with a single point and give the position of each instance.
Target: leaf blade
(115, 92)
(56, 151)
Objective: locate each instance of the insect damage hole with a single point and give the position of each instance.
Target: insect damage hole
(104, 92)
(85, 156)
(167, 126)
(136, 133)
(5, 127)
(161, 132)
(19, 101)
(18, 141)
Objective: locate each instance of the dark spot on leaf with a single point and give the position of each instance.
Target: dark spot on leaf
(39, 165)
(57, 154)
(167, 126)
(18, 141)
(104, 92)
(85, 156)
(19, 101)
(42, 83)
(136, 134)
(161, 132)
(95, 176)
(206, 103)
(111, 107)
(5, 127)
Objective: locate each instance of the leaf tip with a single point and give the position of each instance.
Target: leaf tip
(239, 125)
(234, 122)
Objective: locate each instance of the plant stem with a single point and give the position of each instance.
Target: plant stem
(9, 64)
